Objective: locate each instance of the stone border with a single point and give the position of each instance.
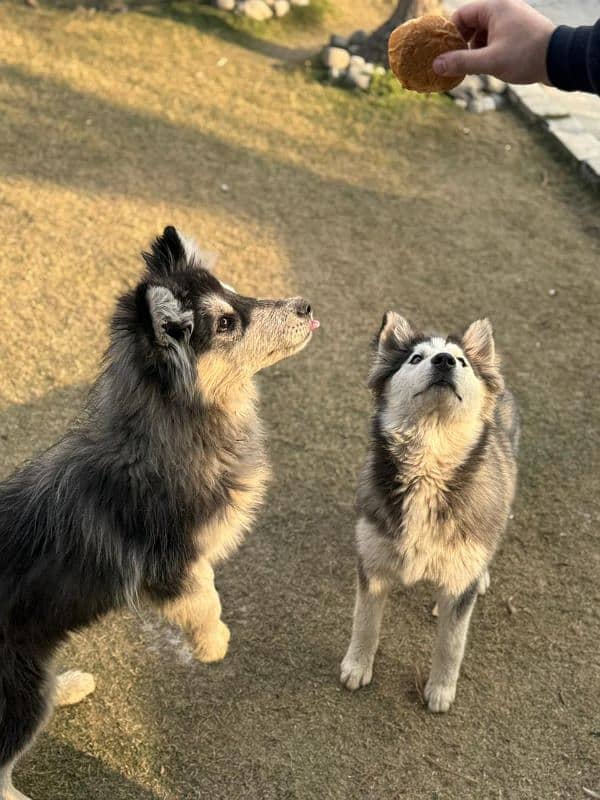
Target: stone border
(259, 10)
(558, 113)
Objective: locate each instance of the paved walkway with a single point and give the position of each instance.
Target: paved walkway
(572, 118)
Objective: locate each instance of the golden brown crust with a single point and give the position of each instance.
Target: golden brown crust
(413, 47)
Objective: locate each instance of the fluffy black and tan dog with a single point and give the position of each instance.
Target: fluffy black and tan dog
(154, 484)
(436, 490)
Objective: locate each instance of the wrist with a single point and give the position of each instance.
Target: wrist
(541, 49)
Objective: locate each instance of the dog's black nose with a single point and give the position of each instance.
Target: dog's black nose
(303, 308)
(443, 361)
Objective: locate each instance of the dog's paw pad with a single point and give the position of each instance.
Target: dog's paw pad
(354, 674)
(439, 697)
(73, 686)
(213, 646)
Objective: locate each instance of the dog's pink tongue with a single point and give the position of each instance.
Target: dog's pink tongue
(314, 324)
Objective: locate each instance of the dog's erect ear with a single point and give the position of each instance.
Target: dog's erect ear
(395, 335)
(175, 252)
(172, 324)
(478, 342)
(479, 347)
(395, 330)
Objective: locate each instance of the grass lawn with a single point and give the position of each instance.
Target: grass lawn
(111, 127)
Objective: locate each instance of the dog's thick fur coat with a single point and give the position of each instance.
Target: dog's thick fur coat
(153, 485)
(436, 490)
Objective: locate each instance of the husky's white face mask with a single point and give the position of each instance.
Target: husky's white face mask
(446, 378)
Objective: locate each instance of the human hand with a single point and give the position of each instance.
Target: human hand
(507, 38)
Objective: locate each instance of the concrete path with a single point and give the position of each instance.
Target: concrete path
(572, 118)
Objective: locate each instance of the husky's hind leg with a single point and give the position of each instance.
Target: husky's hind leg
(72, 687)
(453, 625)
(198, 613)
(7, 790)
(484, 583)
(482, 587)
(25, 692)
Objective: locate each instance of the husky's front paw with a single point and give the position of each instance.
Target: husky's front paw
(212, 645)
(355, 673)
(439, 696)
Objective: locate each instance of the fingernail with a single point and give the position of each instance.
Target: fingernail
(439, 65)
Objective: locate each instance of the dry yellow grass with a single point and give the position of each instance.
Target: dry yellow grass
(112, 127)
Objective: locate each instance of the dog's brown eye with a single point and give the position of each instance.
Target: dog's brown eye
(226, 323)
(415, 359)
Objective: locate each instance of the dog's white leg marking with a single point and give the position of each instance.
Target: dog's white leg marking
(72, 687)
(357, 666)
(7, 790)
(198, 613)
(484, 583)
(449, 648)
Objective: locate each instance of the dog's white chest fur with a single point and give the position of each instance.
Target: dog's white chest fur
(430, 545)
(224, 533)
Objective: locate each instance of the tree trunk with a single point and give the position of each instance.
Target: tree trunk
(375, 48)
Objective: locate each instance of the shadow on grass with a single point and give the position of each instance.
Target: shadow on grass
(259, 37)
(236, 30)
(75, 139)
(62, 771)
(27, 429)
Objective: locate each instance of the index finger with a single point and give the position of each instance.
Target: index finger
(472, 17)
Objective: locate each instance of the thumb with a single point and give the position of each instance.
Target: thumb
(465, 62)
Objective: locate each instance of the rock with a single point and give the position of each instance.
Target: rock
(224, 5)
(281, 7)
(300, 2)
(357, 61)
(335, 74)
(359, 37)
(256, 9)
(494, 85)
(379, 70)
(368, 68)
(461, 103)
(336, 40)
(472, 86)
(357, 78)
(479, 105)
(458, 93)
(499, 100)
(336, 58)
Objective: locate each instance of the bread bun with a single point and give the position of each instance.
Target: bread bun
(414, 46)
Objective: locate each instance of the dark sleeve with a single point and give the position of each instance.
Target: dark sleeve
(573, 58)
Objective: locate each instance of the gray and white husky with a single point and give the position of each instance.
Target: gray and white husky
(150, 489)
(436, 490)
